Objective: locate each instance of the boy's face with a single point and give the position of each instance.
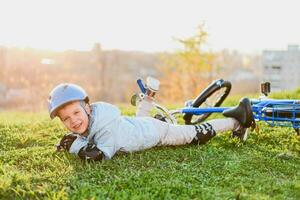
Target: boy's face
(75, 117)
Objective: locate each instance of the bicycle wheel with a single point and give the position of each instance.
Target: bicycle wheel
(212, 96)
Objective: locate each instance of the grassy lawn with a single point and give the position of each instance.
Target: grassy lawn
(267, 166)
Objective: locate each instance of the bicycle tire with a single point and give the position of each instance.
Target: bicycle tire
(208, 92)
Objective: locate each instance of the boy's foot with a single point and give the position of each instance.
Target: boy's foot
(242, 113)
(241, 134)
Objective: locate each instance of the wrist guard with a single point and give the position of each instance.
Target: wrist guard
(66, 142)
(90, 152)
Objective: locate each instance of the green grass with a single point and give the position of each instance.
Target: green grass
(267, 166)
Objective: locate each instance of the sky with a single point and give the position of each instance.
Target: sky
(149, 25)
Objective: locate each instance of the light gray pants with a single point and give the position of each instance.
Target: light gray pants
(171, 134)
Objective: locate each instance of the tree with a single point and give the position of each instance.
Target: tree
(101, 66)
(187, 71)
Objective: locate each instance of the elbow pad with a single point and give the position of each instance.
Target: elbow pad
(90, 152)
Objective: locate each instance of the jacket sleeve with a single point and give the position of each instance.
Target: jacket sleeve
(78, 144)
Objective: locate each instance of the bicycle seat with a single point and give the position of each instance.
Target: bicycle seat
(242, 113)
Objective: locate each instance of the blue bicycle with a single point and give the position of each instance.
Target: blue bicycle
(275, 112)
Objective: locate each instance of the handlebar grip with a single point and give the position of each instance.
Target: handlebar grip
(141, 85)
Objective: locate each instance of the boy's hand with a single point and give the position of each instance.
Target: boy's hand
(90, 152)
(66, 142)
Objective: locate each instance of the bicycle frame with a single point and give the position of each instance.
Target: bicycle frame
(279, 112)
(268, 110)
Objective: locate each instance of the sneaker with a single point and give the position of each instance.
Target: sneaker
(242, 113)
(241, 134)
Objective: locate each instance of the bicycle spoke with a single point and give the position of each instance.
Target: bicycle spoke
(211, 96)
(212, 101)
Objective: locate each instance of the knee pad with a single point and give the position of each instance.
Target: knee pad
(204, 132)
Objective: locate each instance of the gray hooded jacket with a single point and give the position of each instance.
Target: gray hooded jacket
(111, 132)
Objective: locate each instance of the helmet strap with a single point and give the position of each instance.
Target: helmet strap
(83, 105)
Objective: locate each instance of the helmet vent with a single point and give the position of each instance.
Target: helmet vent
(65, 87)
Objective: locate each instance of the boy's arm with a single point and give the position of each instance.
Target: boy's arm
(77, 145)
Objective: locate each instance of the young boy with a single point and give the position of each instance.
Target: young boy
(99, 130)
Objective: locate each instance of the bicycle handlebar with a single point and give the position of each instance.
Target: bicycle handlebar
(141, 85)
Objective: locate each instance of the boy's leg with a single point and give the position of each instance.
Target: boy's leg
(243, 113)
(239, 119)
(171, 134)
(146, 102)
(209, 129)
(144, 107)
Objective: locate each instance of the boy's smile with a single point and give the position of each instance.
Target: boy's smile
(75, 117)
